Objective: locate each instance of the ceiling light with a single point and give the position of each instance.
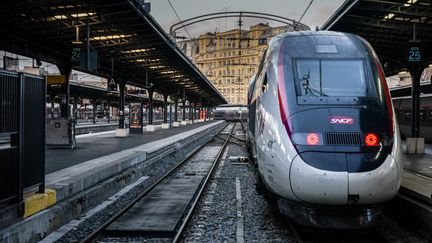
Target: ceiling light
(389, 16)
(409, 2)
(81, 15)
(167, 72)
(137, 50)
(147, 60)
(109, 37)
(58, 17)
(157, 67)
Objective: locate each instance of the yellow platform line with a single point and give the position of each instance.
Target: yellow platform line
(35, 202)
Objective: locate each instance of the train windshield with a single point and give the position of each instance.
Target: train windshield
(331, 78)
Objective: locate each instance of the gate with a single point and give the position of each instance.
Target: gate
(22, 134)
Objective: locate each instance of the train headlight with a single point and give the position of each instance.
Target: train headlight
(311, 139)
(371, 139)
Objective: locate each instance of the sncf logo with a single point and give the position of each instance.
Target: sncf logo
(341, 120)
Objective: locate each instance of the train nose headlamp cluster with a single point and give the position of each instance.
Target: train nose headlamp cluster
(306, 138)
(314, 139)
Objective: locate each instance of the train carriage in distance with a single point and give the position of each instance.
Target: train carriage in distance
(323, 130)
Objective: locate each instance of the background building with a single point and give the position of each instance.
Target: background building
(229, 59)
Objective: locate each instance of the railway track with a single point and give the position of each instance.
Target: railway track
(161, 212)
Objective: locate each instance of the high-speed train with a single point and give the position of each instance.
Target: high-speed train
(323, 130)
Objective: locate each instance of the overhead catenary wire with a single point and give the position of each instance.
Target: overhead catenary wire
(301, 17)
(184, 27)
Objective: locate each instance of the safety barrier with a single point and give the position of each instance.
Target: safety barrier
(22, 135)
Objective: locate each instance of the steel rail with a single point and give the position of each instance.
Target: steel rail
(96, 232)
(198, 196)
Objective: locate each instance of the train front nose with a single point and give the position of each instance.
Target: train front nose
(338, 187)
(344, 160)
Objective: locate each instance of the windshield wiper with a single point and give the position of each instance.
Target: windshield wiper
(308, 88)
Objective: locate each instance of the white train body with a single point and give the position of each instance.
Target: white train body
(330, 151)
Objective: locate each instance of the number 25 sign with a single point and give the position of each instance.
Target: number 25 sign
(414, 54)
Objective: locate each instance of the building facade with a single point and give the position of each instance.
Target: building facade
(230, 59)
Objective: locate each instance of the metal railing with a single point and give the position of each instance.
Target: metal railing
(22, 134)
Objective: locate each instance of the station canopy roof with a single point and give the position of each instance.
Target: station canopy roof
(388, 26)
(119, 29)
(101, 94)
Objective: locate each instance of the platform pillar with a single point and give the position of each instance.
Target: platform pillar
(65, 70)
(176, 109)
(94, 110)
(184, 109)
(122, 87)
(205, 113)
(192, 111)
(200, 112)
(52, 105)
(150, 118)
(165, 109)
(415, 144)
(109, 111)
(75, 108)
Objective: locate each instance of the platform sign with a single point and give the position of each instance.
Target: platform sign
(136, 121)
(76, 53)
(414, 54)
(112, 85)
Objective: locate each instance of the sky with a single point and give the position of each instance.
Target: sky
(317, 14)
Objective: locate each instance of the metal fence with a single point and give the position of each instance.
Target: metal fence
(9, 133)
(22, 134)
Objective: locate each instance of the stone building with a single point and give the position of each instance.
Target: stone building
(229, 59)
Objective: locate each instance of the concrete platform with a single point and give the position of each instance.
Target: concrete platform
(91, 146)
(420, 164)
(100, 167)
(417, 177)
(413, 204)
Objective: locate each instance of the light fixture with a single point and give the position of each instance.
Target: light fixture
(156, 67)
(81, 15)
(371, 139)
(389, 16)
(138, 50)
(312, 139)
(147, 60)
(167, 72)
(109, 37)
(409, 3)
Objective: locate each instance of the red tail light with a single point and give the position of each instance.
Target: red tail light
(312, 139)
(371, 139)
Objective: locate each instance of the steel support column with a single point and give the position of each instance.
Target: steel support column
(192, 111)
(184, 109)
(75, 108)
(65, 70)
(150, 94)
(94, 110)
(109, 112)
(176, 109)
(165, 109)
(415, 104)
(122, 86)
